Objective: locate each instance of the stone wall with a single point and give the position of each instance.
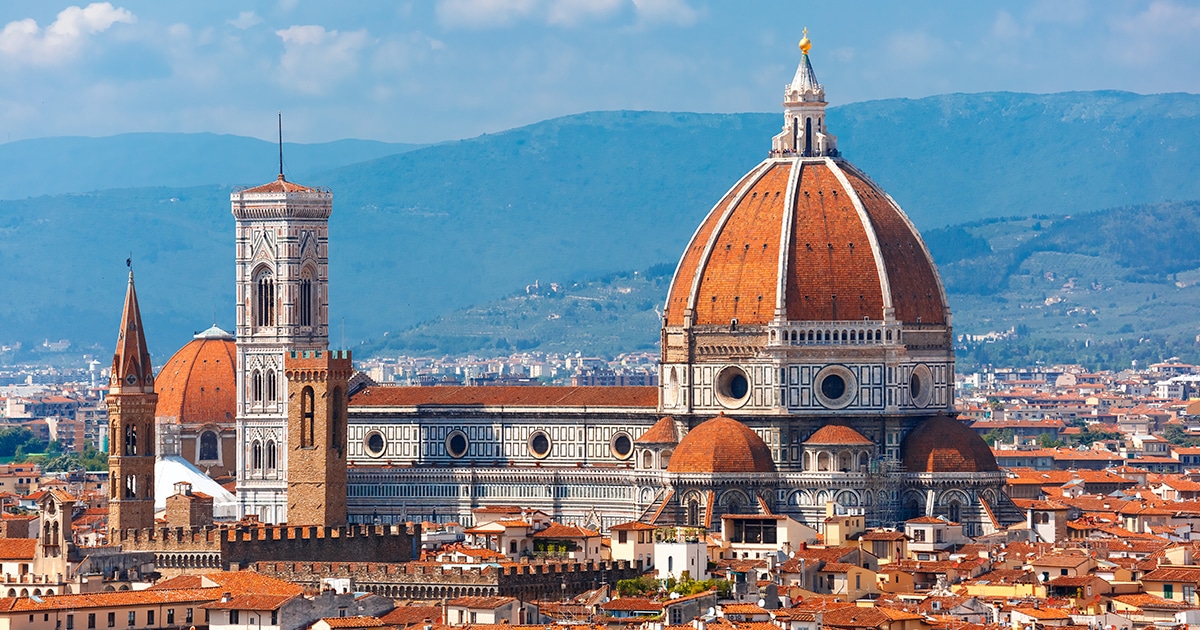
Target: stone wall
(418, 581)
(178, 549)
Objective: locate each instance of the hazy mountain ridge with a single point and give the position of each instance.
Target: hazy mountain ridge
(76, 164)
(421, 234)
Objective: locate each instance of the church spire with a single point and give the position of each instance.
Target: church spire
(131, 370)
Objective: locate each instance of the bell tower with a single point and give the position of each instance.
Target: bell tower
(318, 382)
(131, 400)
(282, 307)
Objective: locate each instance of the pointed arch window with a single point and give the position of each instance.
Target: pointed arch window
(264, 299)
(307, 417)
(256, 386)
(271, 455)
(272, 393)
(306, 300)
(256, 456)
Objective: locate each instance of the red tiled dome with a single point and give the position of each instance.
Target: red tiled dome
(721, 445)
(199, 384)
(845, 248)
(663, 432)
(944, 445)
(836, 434)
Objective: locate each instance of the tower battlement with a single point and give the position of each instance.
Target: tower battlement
(231, 548)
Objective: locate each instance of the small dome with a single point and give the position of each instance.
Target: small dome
(721, 445)
(663, 432)
(945, 445)
(837, 435)
(198, 384)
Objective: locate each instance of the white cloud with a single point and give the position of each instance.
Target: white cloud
(62, 40)
(314, 59)
(1154, 33)
(677, 12)
(483, 13)
(245, 20)
(574, 12)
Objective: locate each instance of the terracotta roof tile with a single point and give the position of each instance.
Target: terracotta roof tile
(943, 444)
(663, 432)
(198, 384)
(837, 434)
(280, 185)
(721, 445)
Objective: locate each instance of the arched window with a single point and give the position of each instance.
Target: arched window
(307, 417)
(272, 393)
(271, 456)
(306, 300)
(256, 386)
(264, 299)
(336, 434)
(256, 455)
(131, 440)
(208, 446)
(54, 534)
(955, 510)
(130, 487)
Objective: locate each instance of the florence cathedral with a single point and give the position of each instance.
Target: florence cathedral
(806, 361)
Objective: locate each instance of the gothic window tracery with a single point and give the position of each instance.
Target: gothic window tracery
(264, 299)
(131, 440)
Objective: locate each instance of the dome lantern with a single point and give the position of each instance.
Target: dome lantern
(804, 131)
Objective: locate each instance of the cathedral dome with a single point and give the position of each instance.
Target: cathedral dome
(805, 239)
(198, 383)
(721, 445)
(945, 445)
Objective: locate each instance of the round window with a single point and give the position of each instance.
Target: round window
(456, 444)
(539, 444)
(920, 385)
(374, 444)
(835, 387)
(621, 445)
(733, 387)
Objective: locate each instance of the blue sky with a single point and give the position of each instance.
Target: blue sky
(442, 69)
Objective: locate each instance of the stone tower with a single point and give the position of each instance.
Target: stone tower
(131, 401)
(282, 307)
(316, 436)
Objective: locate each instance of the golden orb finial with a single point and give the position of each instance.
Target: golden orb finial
(805, 44)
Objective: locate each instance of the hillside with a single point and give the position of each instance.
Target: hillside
(423, 233)
(1103, 288)
(72, 164)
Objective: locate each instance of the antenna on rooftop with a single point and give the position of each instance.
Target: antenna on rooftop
(280, 112)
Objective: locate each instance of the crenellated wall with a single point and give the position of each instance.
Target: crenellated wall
(421, 581)
(179, 549)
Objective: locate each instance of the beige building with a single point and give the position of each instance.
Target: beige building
(633, 541)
